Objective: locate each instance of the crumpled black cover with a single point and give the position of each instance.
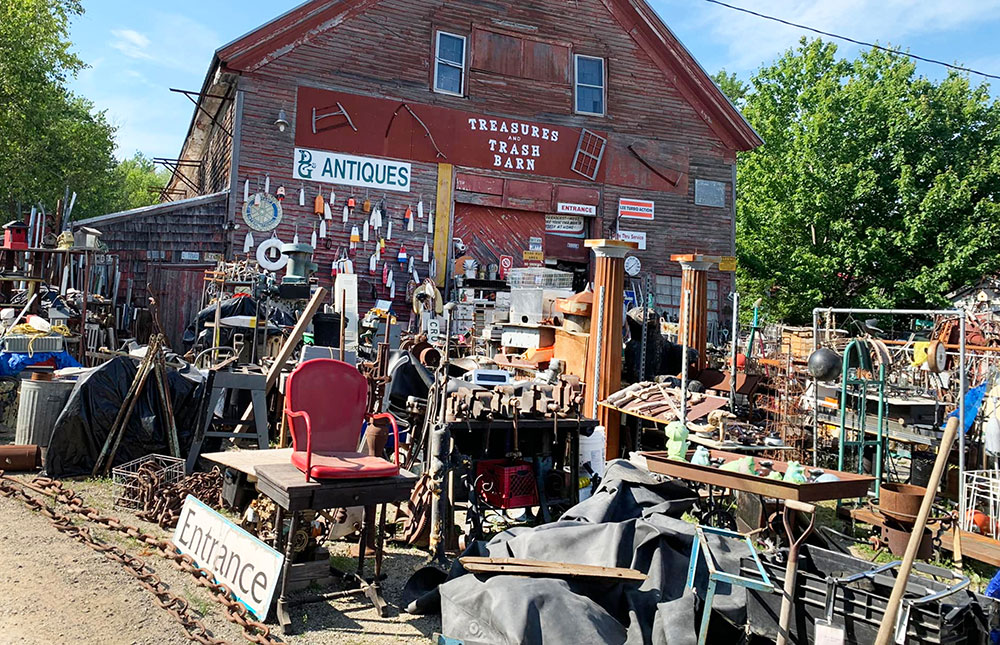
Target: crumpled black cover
(84, 424)
(632, 521)
(238, 306)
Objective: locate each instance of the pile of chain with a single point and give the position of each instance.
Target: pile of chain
(253, 630)
(162, 506)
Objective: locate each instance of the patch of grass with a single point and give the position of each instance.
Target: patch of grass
(199, 604)
(343, 562)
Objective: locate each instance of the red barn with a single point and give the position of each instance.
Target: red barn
(520, 127)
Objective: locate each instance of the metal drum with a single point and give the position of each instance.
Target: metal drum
(39, 406)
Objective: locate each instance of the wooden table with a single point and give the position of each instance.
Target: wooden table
(286, 485)
(850, 484)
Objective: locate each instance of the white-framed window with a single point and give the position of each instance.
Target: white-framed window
(449, 64)
(668, 298)
(589, 85)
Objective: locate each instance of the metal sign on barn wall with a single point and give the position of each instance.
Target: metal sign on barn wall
(363, 125)
(365, 172)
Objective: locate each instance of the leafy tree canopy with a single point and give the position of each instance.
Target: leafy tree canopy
(875, 187)
(49, 137)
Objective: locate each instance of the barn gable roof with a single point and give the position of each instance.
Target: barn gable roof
(299, 25)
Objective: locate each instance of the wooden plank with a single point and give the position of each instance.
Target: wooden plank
(975, 546)
(521, 567)
(246, 460)
(286, 351)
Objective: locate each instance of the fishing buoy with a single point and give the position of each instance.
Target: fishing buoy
(401, 256)
(420, 209)
(365, 233)
(246, 190)
(322, 228)
(248, 243)
(319, 206)
(355, 238)
(267, 184)
(427, 251)
(388, 231)
(302, 195)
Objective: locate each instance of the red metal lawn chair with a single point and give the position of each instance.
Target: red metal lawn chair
(325, 401)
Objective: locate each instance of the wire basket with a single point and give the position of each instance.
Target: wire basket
(539, 278)
(982, 502)
(132, 484)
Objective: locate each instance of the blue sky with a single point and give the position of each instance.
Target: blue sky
(137, 50)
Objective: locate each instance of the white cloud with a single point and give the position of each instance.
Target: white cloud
(744, 42)
(131, 43)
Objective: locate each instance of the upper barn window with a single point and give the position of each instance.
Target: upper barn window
(449, 66)
(589, 85)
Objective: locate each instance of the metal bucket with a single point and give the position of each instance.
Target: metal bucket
(20, 458)
(39, 405)
(901, 502)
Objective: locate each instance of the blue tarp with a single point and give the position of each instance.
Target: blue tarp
(12, 363)
(973, 399)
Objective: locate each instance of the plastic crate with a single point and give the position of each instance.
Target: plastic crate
(24, 344)
(858, 607)
(129, 487)
(505, 484)
(540, 278)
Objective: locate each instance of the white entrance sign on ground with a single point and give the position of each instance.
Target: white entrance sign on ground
(239, 560)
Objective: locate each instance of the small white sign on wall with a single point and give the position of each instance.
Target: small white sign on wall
(639, 237)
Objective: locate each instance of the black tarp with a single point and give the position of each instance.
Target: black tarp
(632, 521)
(84, 424)
(197, 333)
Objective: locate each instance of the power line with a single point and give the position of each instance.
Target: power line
(856, 42)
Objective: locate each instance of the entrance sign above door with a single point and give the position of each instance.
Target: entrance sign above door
(576, 209)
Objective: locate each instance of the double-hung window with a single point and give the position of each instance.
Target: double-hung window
(590, 85)
(449, 64)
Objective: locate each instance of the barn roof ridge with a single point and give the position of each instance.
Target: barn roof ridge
(296, 26)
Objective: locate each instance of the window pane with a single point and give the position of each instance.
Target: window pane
(589, 99)
(449, 78)
(451, 49)
(590, 71)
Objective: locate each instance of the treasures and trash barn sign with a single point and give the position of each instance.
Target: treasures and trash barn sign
(239, 560)
(386, 128)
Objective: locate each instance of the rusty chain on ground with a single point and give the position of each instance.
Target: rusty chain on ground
(162, 504)
(253, 630)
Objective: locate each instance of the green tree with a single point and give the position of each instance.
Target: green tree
(875, 187)
(49, 138)
(135, 180)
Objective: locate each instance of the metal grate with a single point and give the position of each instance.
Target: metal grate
(131, 483)
(589, 153)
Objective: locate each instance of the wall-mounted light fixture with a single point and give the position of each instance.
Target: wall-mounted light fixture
(282, 121)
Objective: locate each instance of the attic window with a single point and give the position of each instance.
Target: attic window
(589, 152)
(589, 85)
(449, 66)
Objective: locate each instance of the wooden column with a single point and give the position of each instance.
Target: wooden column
(694, 323)
(694, 279)
(604, 351)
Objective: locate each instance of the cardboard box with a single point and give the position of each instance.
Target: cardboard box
(571, 348)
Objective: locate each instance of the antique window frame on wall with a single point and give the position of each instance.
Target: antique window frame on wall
(577, 84)
(438, 62)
